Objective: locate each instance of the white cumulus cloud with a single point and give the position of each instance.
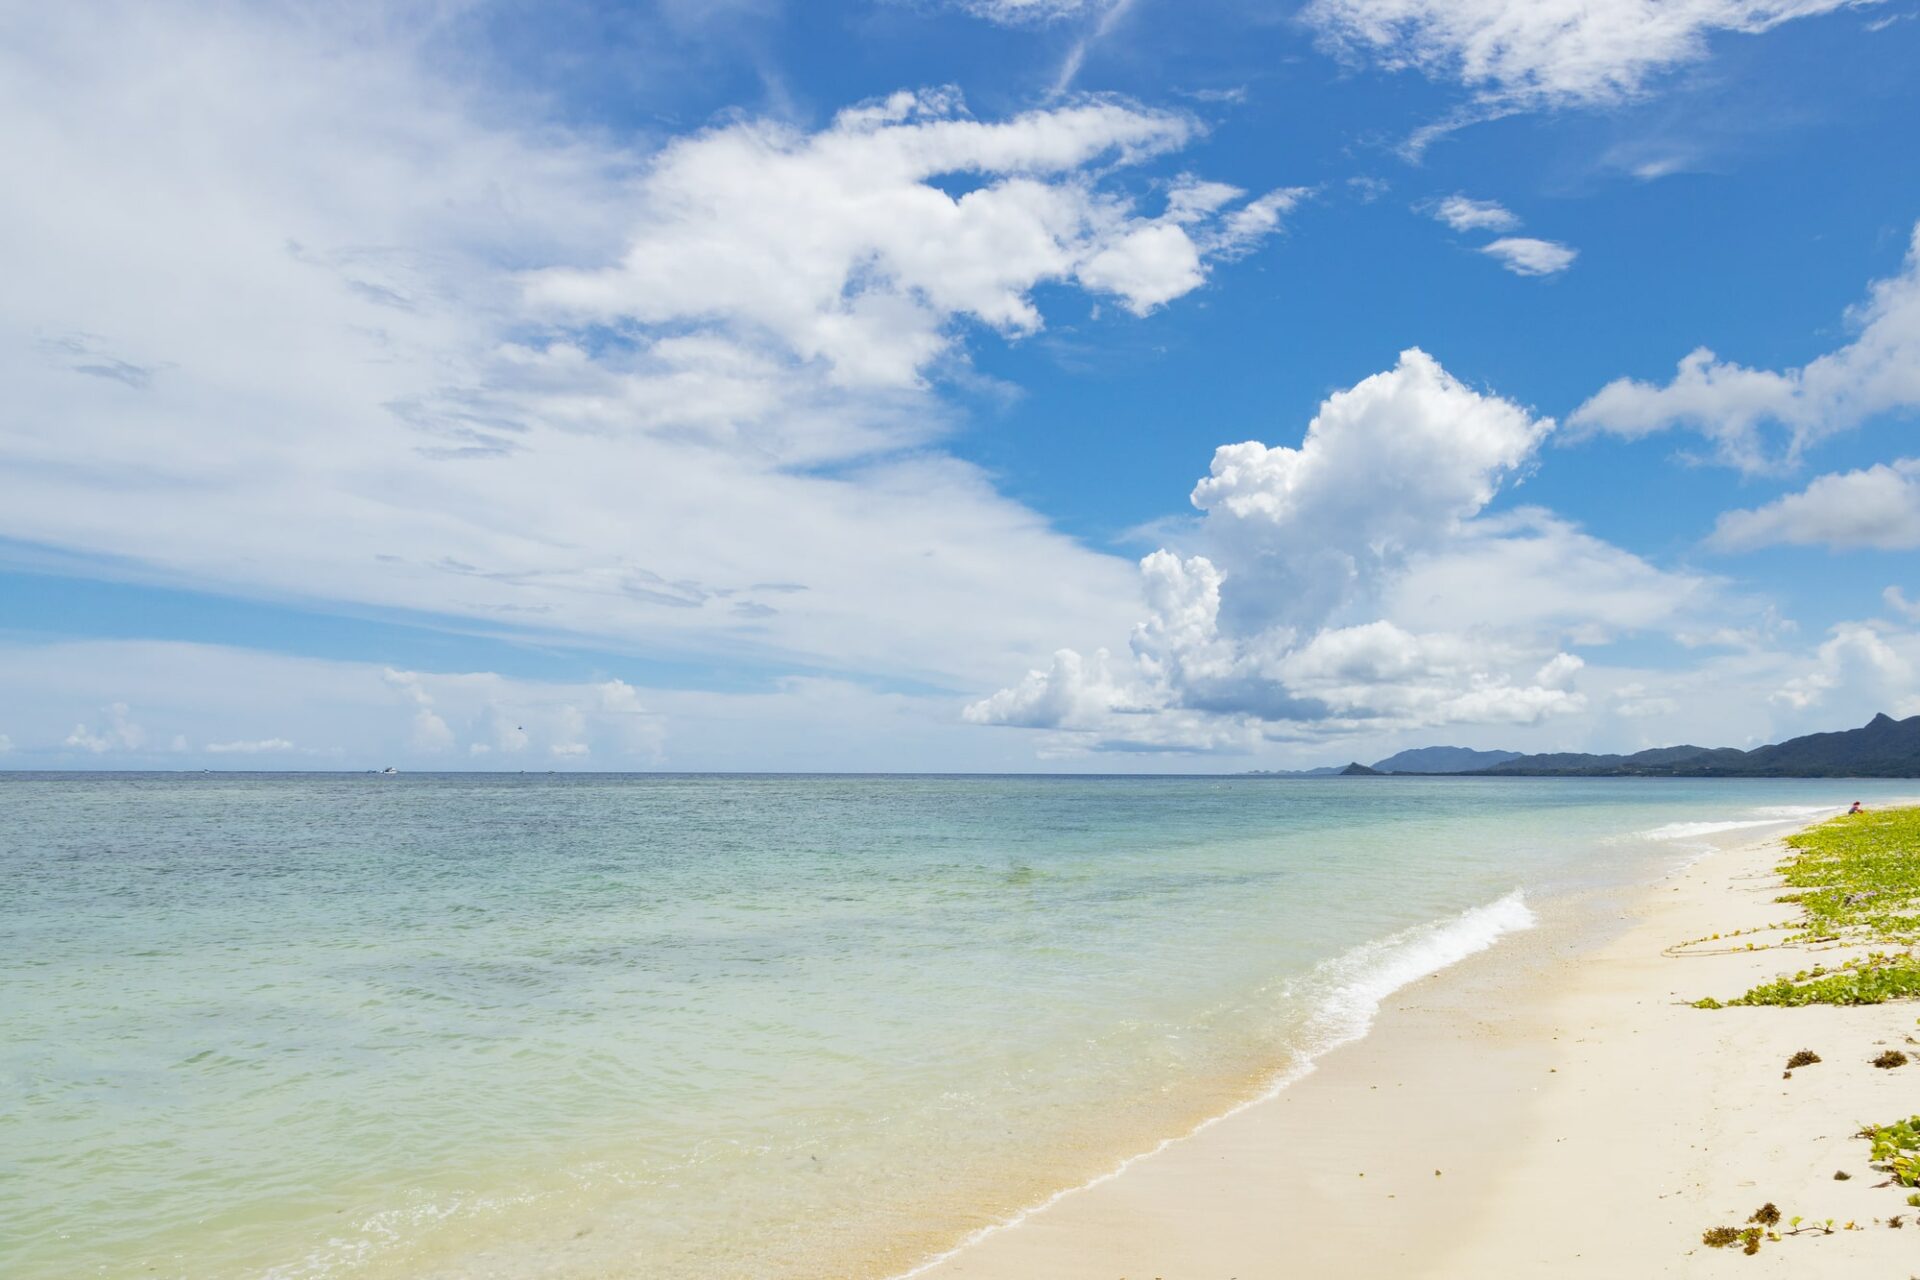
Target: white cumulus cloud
(1388, 467)
(431, 734)
(1526, 256)
(1856, 664)
(1357, 582)
(841, 245)
(1465, 214)
(1876, 507)
(120, 733)
(1733, 405)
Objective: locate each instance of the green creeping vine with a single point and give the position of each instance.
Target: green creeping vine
(1764, 1224)
(1897, 1146)
(1857, 878)
(1873, 979)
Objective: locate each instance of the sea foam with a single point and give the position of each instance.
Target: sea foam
(1345, 995)
(1773, 816)
(1350, 988)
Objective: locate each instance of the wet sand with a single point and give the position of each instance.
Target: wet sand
(1549, 1107)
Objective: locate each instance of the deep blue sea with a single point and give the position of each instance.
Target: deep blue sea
(305, 1026)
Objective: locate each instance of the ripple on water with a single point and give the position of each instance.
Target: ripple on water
(315, 1026)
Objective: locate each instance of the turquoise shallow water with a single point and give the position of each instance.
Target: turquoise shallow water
(308, 1026)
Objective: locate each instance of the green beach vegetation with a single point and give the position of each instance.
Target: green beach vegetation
(1896, 1146)
(1873, 979)
(1764, 1224)
(1857, 878)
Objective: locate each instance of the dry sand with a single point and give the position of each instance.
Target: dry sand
(1551, 1107)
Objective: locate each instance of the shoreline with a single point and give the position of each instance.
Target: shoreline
(1472, 932)
(1546, 1105)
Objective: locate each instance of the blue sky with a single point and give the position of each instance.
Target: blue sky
(839, 386)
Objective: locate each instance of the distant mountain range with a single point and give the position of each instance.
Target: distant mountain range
(1443, 760)
(1417, 760)
(1881, 748)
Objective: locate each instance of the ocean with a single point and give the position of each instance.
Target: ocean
(307, 1026)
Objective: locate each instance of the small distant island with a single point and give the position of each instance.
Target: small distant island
(1881, 748)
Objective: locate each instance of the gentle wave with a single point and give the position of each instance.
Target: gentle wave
(527, 1021)
(1776, 815)
(1347, 993)
(1364, 977)
(384, 1230)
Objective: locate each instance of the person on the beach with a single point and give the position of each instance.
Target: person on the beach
(1856, 809)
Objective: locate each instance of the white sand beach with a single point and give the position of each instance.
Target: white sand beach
(1550, 1107)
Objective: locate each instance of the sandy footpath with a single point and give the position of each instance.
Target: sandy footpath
(1547, 1108)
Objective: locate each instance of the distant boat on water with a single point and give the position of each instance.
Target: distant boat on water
(388, 769)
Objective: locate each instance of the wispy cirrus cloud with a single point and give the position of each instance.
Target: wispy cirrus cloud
(249, 747)
(1522, 255)
(1097, 20)
(498, 373)
(1546, 53)
(350, 714)
(1020, 12)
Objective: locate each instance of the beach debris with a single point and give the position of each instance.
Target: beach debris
(1890, 1059)
(1759, 1227)
(1686, 948)
(1841, 1175)
(1804, 1058)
